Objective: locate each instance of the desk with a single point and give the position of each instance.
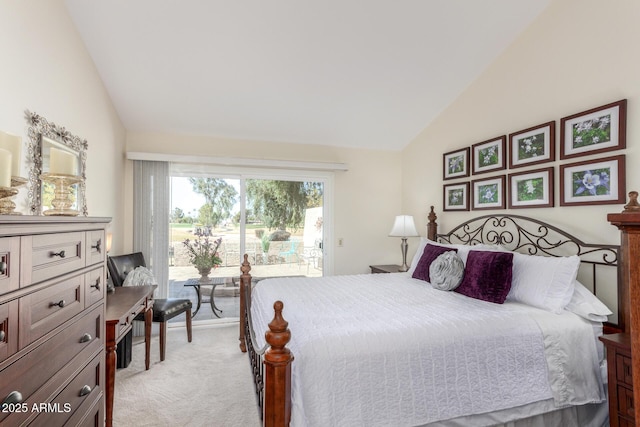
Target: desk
(196, 283)
(123, 305)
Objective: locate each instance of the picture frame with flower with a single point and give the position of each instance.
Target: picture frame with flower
(456, 197)
(598, 130)
(489, 155)
(488, 193)
(531, 189)
(593, 182)
(532, 146)
(456, 164)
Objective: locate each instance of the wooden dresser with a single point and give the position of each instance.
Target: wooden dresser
(621, 407)
(52, 311)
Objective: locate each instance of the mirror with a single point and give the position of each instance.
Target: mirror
(59, 157)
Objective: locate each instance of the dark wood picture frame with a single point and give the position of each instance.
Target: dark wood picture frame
(594, 131)
(532, 146)
(456, 197)
(489, 155)
(537, 186)
(488, 188)
(455, 164)
(593, 177)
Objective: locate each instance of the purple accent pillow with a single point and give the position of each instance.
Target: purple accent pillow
(430, 253)
(487, 276)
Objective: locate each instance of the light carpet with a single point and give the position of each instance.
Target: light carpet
(206, 382)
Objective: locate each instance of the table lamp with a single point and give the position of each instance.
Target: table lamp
(404, 227)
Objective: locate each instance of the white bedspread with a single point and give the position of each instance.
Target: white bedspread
(386, 349)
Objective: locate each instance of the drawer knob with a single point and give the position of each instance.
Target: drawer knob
(97, 284)
(61, 254)
(13, 397)
(85, 390)
(98, 245)
(60, 303)
(3, 267)
(86, 337)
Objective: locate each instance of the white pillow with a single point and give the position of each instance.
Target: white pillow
(140, 276)
(587, 305)
(543, 282)
(446, 271)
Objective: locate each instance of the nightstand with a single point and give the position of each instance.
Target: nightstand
(384, 268)
(621, 411)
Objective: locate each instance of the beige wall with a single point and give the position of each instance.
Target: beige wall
(366, 197)
(46, 69)
(577, 55)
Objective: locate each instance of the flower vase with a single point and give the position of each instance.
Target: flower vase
(204, 274)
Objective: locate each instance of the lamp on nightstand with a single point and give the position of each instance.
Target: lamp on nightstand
(403, 227)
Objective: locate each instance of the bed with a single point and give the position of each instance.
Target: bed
(393, 349)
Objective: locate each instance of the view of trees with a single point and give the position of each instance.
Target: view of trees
(219, 199)
(276, 204)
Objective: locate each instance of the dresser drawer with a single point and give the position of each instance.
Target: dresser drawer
(85, 387)
(50, 255)
(8, 329)
(623, 369)
(9, 264)
(91, 417)
(38, 374)
(625, 402)
(96, 247)
(47, 308)
(94, 286)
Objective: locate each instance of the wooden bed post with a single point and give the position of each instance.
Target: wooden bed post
(245, 283)
(629, 224)
(277, 376)
(432, 226)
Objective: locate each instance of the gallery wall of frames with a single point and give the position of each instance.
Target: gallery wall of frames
(518, 170)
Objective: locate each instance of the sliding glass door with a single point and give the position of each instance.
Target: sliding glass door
(279, 223)
(284, 227)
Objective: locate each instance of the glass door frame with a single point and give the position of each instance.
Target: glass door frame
(244, 173)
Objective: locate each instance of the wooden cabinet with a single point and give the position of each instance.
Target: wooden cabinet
(621, 408)
(52, 320)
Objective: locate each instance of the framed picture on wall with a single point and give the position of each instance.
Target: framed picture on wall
(456, 164)
(456, 197)
(488, 193)
(531, 189)
(489, 155)
(532, 146)
(593, 182)
(594, 131)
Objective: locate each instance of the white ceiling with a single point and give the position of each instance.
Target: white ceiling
(352, 73)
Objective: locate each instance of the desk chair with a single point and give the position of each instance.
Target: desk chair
(163, 309)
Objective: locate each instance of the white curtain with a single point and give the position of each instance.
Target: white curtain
(151, 205)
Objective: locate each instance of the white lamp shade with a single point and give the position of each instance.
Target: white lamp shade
(403, 227)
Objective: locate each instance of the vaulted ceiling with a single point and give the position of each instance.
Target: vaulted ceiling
(351, 73)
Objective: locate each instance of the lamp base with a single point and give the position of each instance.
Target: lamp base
(403, 246)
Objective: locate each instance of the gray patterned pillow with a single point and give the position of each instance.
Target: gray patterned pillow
(446, 271)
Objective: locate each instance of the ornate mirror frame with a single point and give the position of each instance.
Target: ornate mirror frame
(39, 128)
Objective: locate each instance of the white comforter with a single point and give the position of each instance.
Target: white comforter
(386, 349)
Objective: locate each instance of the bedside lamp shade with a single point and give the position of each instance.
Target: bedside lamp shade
(403, 227)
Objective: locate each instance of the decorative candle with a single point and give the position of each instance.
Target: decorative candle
(12, 143)
(62, 162)
(5, 168)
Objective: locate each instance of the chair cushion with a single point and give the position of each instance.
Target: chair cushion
(165, 309)
(121, 265)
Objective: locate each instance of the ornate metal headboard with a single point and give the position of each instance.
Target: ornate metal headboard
(531, 236)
